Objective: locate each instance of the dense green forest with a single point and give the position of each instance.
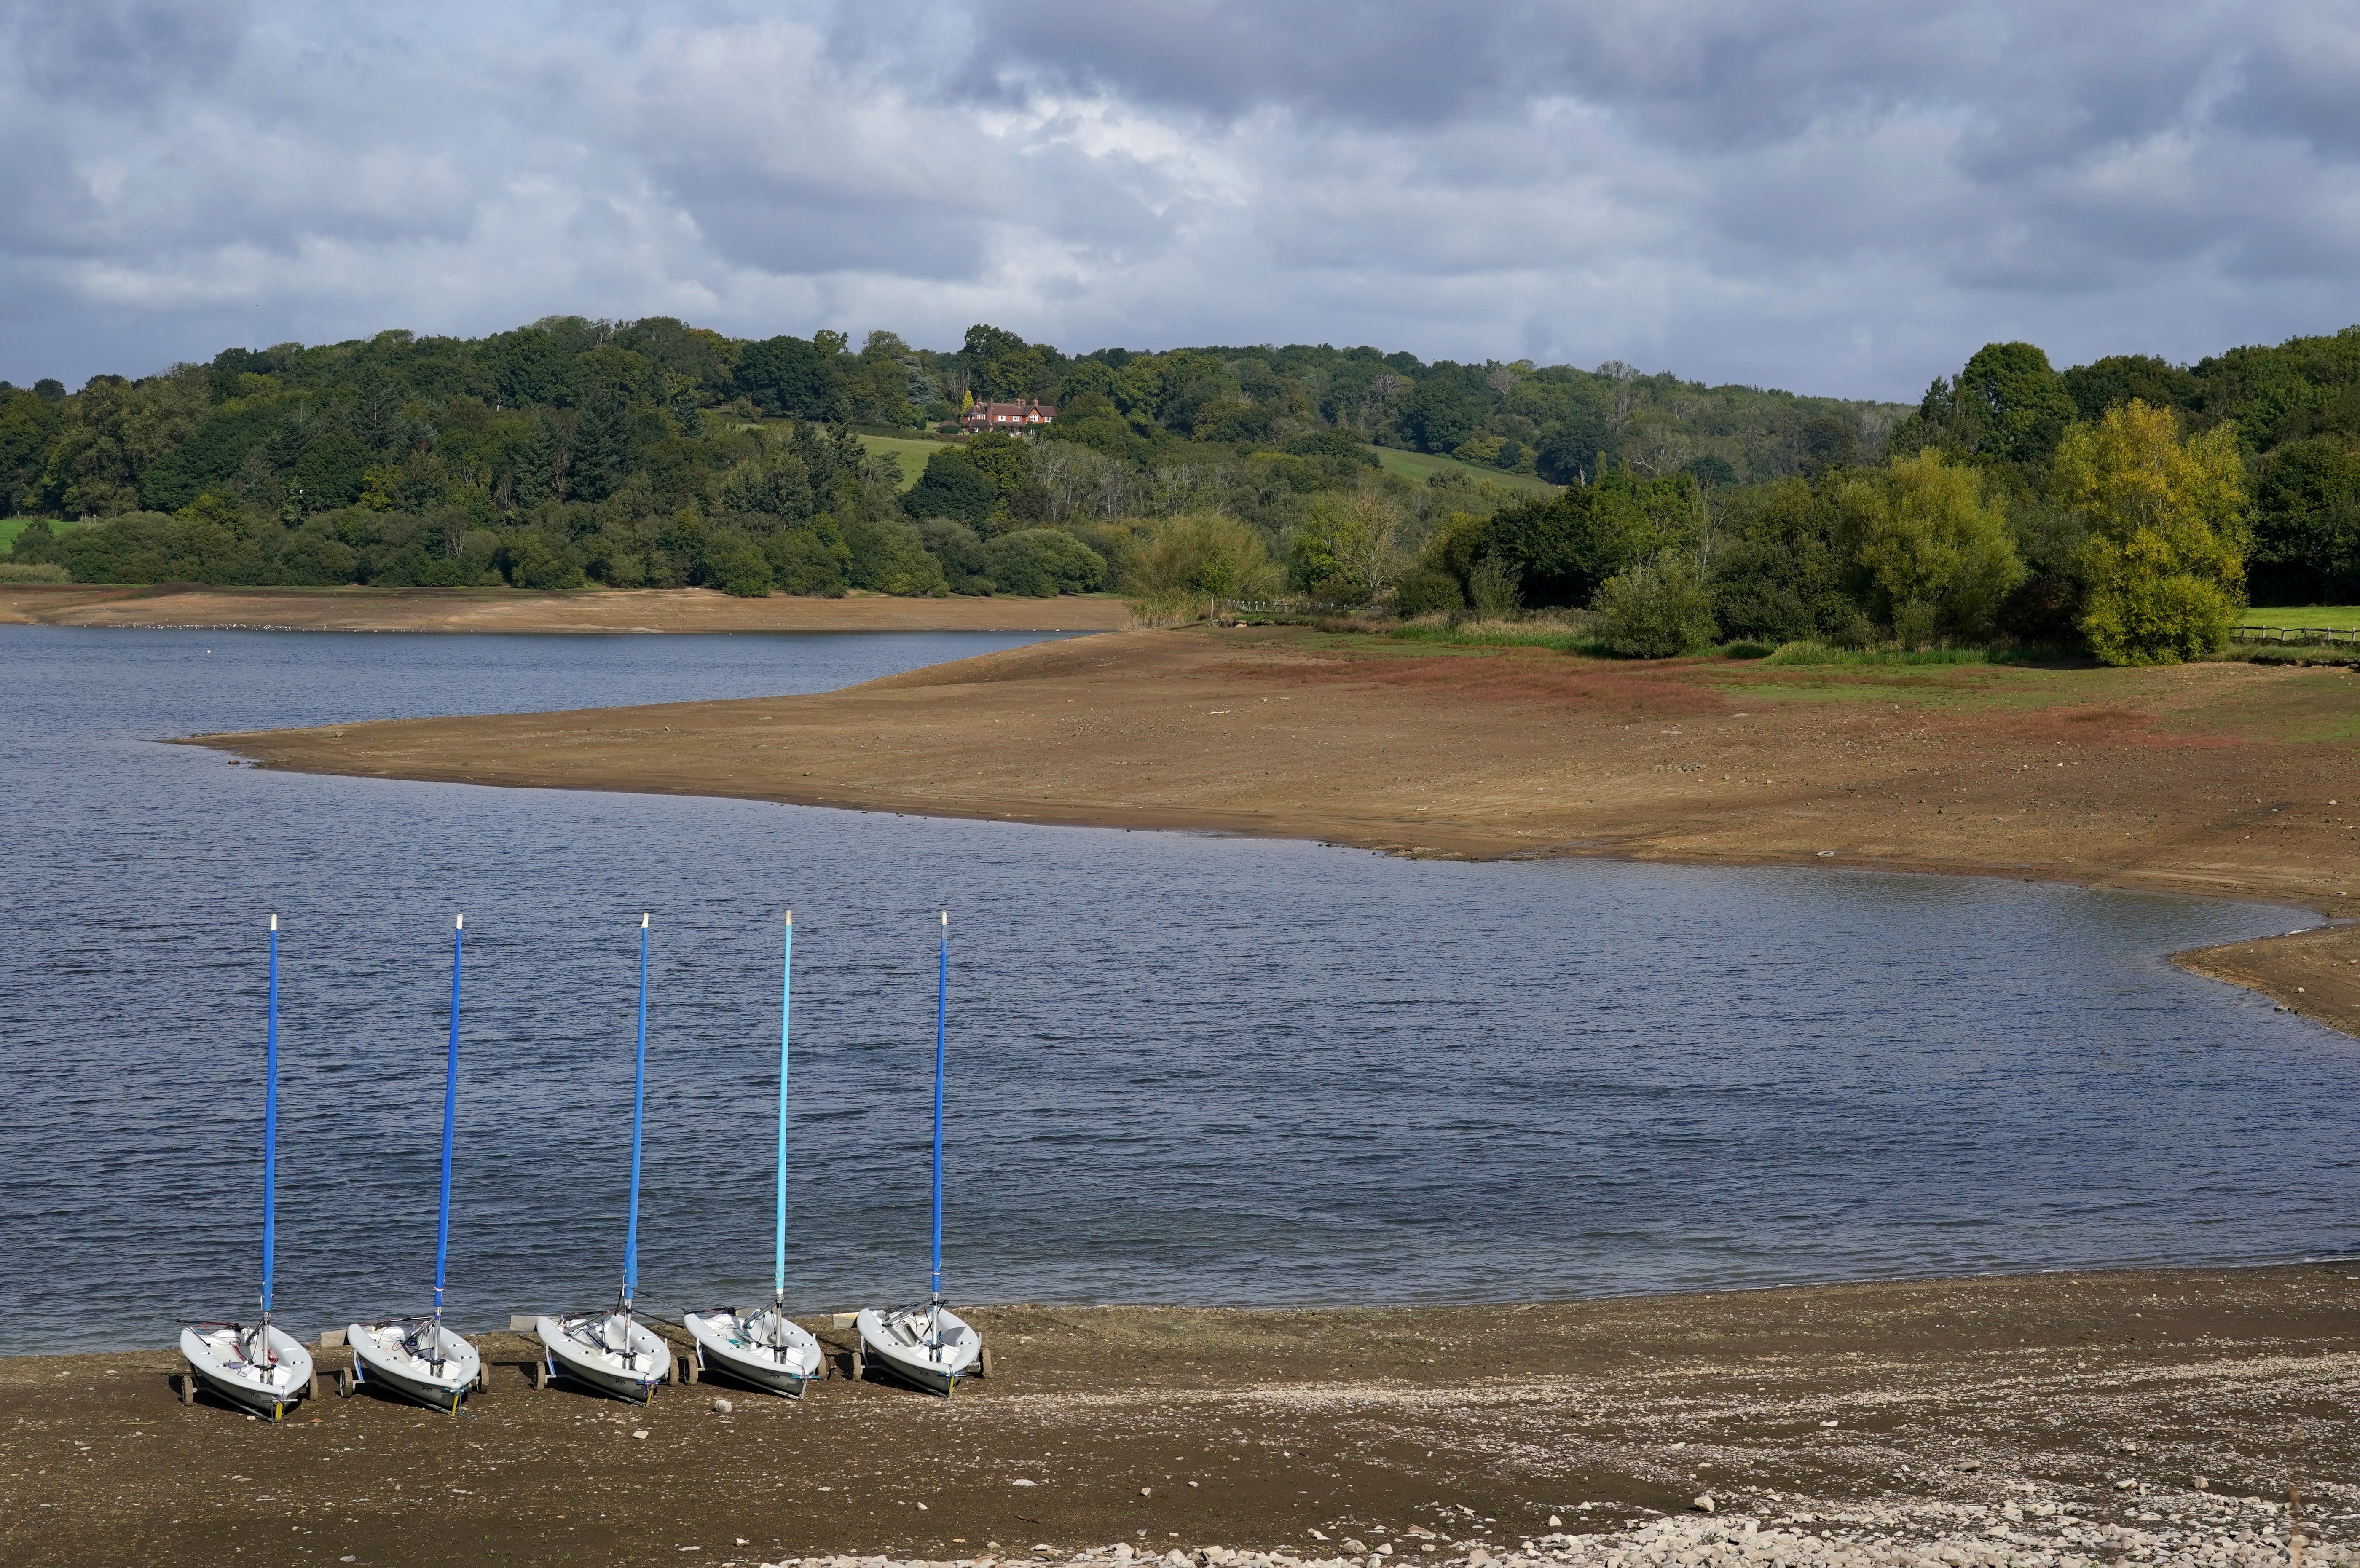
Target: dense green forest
(2131, 504)
(575, 453)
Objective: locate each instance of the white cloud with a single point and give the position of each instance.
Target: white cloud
(1821, 194)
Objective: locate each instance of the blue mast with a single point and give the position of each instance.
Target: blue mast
(638, 1111)
(270, 1143)
(449, 1104)
(786, 994)
(942, 1001)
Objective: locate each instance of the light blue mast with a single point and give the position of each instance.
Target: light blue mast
(449, 1107)
(942, 1001)
(269, 1145)
(786, 995)
(638, 1114)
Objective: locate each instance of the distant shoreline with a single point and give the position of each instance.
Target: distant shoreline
(2196, 780)
(196, 607)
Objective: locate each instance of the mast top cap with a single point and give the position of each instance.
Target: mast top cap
(644, 922)
(946, 917)
(274, 922)
(461, 923)
(790, 917)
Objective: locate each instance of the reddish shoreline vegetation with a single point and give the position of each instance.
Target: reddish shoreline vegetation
(2220, 779)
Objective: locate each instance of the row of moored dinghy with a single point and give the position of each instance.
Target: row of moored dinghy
(263, 1369)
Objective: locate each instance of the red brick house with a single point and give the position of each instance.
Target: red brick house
(1008, 416)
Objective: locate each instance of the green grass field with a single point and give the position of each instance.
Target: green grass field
(913, 451)
(11, 526)
(2316, 618)
(1421, 467)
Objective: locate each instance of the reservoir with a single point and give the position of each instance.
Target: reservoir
(1181, 1068)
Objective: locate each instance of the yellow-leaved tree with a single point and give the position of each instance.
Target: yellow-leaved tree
(1937, 545)
(2166, 558)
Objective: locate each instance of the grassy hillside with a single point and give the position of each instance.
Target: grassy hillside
(913, 451)
(1423, 466)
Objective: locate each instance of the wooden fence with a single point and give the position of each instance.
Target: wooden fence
(2348, 636)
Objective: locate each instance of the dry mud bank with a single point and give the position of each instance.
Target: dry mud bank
(187, 606)
(2053, 1420)
(2224, 779)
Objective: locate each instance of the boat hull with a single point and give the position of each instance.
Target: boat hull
(225, 1358)
(591, 1349)
(895, 1342)
(756, 1347)
(391, 1355)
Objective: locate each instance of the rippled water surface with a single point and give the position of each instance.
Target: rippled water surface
(1182, 1067)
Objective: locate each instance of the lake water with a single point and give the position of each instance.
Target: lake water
(1182, 1067)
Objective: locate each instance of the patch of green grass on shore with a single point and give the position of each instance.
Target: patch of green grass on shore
(2305, 617)
(1423, 466)
(1794, 654)
(1500, 634)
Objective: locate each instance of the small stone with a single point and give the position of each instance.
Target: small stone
(1354, 1547)
(1147, 1491)
(722, 1407)
(640, 1432)
(1703, 1504)
(1555, 1521)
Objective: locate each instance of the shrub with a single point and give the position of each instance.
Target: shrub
(966, 566)
(1204, 556)
(813, 560)
(889, 556)
(2043, 612)
(1805, 653)
(33, 571)
(1424, 592)
(1916, 623)
(1044, 563)
(1492, 588)
(1655, 610)
(735, 565)
(1744, 649)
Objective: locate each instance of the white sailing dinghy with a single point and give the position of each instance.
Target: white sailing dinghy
(926, 1344)
(759, 1344)
(257, 1368)
(418, 1357)
(612, 1352)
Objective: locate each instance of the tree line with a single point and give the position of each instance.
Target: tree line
(2014, 500)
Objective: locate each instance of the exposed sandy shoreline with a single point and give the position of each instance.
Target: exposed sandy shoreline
(2224, 779)
(1895, 1411)
(191, 607)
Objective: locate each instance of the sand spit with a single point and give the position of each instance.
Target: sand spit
(193, 607)
(2221, 780)
(2052, 1421)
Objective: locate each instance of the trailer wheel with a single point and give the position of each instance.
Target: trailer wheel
(983, 1363)
(343, 1385)
(185, 1386)
(538, 1372)
(860, 1365)
(312, 1386)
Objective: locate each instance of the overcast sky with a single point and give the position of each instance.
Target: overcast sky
(1830, 196)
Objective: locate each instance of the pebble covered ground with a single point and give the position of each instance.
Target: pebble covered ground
(2036, 1421)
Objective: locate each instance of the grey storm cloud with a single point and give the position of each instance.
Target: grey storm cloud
(1821, 194)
